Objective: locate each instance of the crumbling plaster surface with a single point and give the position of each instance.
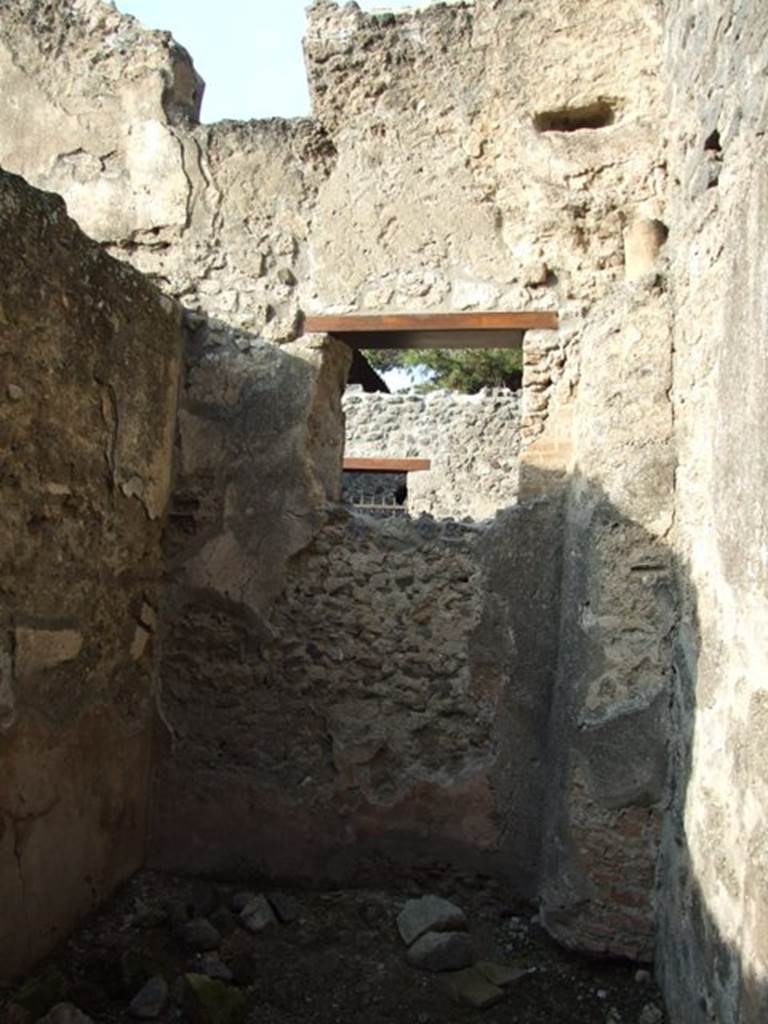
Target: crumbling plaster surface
(89, 360)
(713, 948)
(259, 458)
(471, 441)
(104, 112)
(470, 206)
(97, 122)
(609, 725)
(422, 182)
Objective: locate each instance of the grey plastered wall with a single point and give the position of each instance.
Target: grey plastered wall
(258, 462)
(713, 894)
(609, 724)
(89, 360)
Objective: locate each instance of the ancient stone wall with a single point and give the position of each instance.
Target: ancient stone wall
(472, 441)
(89, 360)
(713, 948)
(437, 173)
(600, 425)
(279, 630)
(452, 189)
(460, 157)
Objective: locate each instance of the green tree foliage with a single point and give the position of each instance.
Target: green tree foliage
(465, 370)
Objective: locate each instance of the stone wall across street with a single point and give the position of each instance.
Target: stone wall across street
(472, 442)
(89, 364)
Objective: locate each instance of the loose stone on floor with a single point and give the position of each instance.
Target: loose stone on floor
(323, 958)
(150, 1000)
(441, 951)
(429, 914)
(258, 915)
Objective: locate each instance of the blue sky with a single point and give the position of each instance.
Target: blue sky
(248, 51)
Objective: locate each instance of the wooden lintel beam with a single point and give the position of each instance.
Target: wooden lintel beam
(433, 330)
(524, 320)
(360, 465)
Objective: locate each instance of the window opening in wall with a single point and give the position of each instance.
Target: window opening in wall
(463, 415)
(379, 486)
(377, 494)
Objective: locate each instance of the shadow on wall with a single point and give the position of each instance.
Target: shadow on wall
(637, 768)
(640, 764)
(707, 979)
(322, 698)
(338, 694)
(356, 724)
(608, 728)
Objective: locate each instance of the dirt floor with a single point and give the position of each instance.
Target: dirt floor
(335, 957)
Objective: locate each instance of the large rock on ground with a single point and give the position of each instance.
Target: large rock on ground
(150, 1000)
(258, 915)
(206, 1001)
(441, 951)
(429, 914)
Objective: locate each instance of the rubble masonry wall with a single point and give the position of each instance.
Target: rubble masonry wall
(472, 441)
(395, 707)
